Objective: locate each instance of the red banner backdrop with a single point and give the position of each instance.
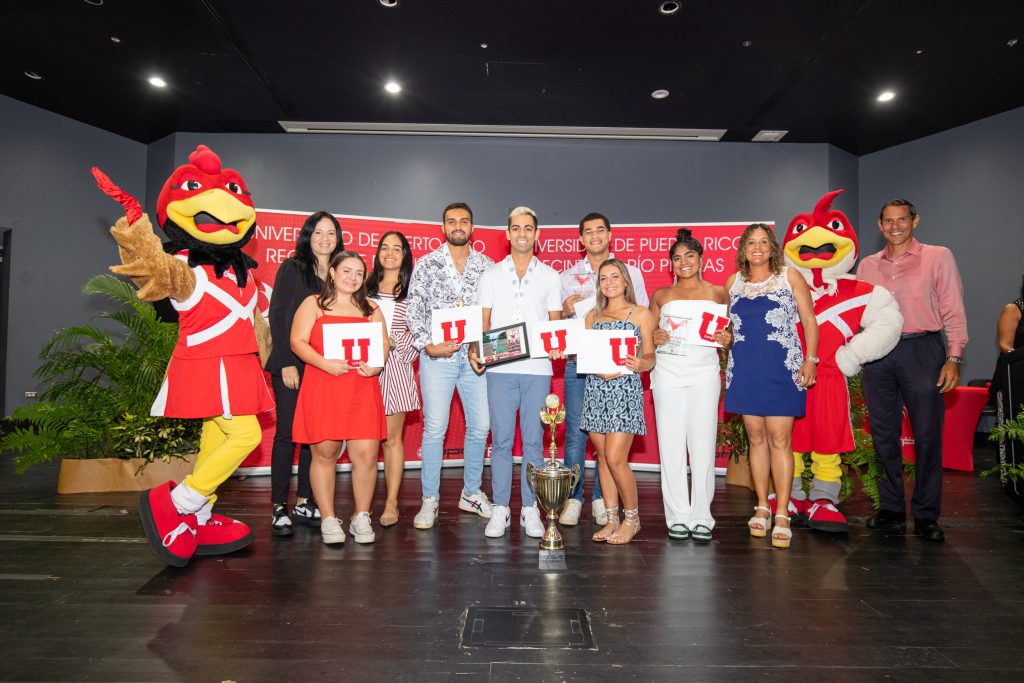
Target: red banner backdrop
(642, 245)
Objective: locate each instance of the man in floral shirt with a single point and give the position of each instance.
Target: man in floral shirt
(445, 278)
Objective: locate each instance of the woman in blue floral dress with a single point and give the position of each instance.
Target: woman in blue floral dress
(768, 370)
(613, 405)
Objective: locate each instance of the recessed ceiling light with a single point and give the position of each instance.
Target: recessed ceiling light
(389, 3)
(115, 39)
(393, 87)
(659, 94)
(919, 52)
(33, 75)
(886, 96)
(483, 45)
(747, 43)
(1012, 42)
(96, 3)
(668, 7)
(157, 82)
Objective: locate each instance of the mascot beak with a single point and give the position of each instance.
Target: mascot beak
(818, 247)
(215, 216)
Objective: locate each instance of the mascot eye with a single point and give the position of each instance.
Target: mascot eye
(799, 227)
(835, 224)
(191, 185)
(234, 187)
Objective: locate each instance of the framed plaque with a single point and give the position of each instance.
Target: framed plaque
(503, 345)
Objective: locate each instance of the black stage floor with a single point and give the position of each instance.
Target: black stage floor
(85, 599)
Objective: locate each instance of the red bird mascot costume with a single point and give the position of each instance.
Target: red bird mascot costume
(857, 323)
(215, 371)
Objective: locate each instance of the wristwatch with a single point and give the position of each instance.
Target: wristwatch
(957, 360)
(813, 359)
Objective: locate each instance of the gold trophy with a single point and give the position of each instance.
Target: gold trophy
(552, 483)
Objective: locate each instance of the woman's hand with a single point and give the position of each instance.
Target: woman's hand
(335, 367)
(364, 370)
(290, 376)
(635, 363)
(808, 374)
(724, 337)
(557, 354)
(661, 337)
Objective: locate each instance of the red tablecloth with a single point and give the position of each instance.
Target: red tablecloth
(963, 410)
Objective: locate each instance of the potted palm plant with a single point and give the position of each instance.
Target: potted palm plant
(98, 381)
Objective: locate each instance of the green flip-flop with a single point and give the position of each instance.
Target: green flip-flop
(679, 532)
(701, 532)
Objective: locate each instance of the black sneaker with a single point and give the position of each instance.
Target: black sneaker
(281, 524)
(306, 513)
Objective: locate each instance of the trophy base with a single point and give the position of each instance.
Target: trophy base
(551, 560)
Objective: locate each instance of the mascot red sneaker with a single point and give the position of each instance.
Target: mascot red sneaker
(215, 372)
(857, 323)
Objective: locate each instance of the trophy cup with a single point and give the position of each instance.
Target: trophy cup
(552, 483)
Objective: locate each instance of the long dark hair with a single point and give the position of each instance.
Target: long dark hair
(304, 257)
(774, 258)
(328, 294)
(404, 272)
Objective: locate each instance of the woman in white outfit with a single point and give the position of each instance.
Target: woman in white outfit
(686, 384)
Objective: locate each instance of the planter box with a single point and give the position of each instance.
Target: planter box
(102, 475)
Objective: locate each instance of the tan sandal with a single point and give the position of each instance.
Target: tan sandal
(781, 535)
(629, 528)
(608, 529)
(390, 516)
(759, 525)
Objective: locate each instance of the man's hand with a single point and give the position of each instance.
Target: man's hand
(569, 305)
(949, 377)
(442, 350)
(477, 366)
(290, 376)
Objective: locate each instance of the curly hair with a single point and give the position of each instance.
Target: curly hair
(774, 258)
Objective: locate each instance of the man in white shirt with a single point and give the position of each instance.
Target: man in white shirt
(519, 289)
(579, 284)
(446, 278)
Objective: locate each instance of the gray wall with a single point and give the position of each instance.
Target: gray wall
(59, 224)
(959, 179)
(968, 186)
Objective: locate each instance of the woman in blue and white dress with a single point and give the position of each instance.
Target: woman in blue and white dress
(613, 405)
(768, 370)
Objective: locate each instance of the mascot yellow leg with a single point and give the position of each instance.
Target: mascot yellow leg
(822, 513)
(179, 520)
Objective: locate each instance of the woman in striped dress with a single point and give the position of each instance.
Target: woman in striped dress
(388, 285)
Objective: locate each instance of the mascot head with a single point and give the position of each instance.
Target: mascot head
(822, 244)
(207, 210)
(205, 201)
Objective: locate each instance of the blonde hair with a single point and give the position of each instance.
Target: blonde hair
(523, 211)
(601, 301)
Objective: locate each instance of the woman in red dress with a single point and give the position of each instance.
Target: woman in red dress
(339, 402)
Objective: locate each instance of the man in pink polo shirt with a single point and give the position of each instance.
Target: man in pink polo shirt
(921, 368)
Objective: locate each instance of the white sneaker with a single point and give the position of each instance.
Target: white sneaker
(571, 513)
(427, 515)
(501, 519)
(529, 519)
(476, 503)
(598, 511)
(360, 528)
(331, 531)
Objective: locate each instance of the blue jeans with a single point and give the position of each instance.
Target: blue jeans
(575, 438)
(438, 380)
(523, 395)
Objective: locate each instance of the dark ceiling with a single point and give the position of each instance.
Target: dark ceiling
(812, 67)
